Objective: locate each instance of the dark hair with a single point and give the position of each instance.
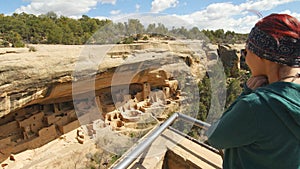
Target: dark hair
(280, 25)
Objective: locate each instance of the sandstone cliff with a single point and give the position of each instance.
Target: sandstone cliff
(52, 91)
(43, 76)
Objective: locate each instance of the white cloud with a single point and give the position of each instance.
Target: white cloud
(296, 15)
(115, 12)
(102, 18)
(66, 8)
(228, 16)
(160, 5)
(239, 18)
(220, 16)
(108, 1)
(137, 7)
(263, 5)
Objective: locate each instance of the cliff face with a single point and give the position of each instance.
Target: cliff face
(28, 78)
(230, 56)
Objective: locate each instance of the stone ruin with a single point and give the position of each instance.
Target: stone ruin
(36, 107)
(35, 125)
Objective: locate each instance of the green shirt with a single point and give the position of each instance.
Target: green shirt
(261, 129)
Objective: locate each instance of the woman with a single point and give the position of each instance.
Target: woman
(261, 129)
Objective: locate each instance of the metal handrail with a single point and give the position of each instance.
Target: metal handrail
(142, 146)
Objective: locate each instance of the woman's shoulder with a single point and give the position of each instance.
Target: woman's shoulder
(252, 97)
(279, 90)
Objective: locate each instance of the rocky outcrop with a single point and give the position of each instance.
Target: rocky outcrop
(230, 56)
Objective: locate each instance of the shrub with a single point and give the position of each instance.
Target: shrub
(32, 49)
(6, 44)
(18, 44)
(145, 38)
(128, 40)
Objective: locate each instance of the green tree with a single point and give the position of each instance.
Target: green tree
(67, 33)
(195, 33)
(134, 27)
(55, 35)
(161, 29)
(14, 38)
(205, 98)
(88, 24)
(52, 15)
(233, 91)
(51, 28)
(151, 28)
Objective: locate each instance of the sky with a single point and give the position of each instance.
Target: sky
(238, 15)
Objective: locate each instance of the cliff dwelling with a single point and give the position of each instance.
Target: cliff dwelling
(132, 96)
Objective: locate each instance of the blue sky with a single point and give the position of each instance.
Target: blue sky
(237, 15)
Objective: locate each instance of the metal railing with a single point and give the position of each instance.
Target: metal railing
(142, 146)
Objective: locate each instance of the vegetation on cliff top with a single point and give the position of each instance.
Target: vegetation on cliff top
(20, 29)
